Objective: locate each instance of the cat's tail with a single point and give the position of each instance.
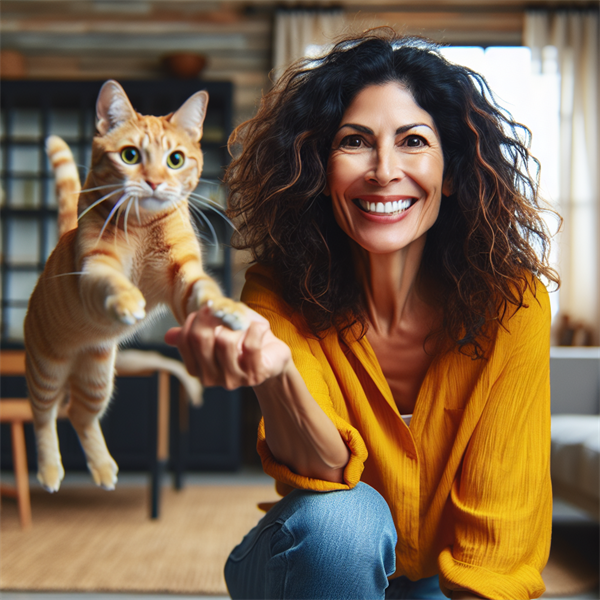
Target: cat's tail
(68, 185)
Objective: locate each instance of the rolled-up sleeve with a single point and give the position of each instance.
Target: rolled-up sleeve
(316, 373)
(502, 497)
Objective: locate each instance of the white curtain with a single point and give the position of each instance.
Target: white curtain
(574, 34)
(297, 31)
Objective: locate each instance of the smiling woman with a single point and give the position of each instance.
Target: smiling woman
(385, 168)
(399, 348)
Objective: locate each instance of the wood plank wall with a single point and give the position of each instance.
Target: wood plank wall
(101, 39)
(126, 39)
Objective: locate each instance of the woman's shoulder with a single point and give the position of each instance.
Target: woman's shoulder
(533, 315)
(262, 291)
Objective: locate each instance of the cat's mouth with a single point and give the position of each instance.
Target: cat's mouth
(393, 207)
(154, 203)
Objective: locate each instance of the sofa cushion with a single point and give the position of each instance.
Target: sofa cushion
(575, 462)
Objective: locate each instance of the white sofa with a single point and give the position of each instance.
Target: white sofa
(575, 461)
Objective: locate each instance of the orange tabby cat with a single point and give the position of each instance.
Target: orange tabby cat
(131, 249)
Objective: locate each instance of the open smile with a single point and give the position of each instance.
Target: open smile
(388, 208)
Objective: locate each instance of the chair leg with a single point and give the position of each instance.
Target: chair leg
(161, 456)
(21, 473)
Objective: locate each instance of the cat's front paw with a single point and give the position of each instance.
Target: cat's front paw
(233, 314)
(50, 475)
(105, 474)
(128, 306)
(207, 293)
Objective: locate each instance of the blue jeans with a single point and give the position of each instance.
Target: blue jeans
(335, 545)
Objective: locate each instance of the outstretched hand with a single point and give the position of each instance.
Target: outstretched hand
(219, 356)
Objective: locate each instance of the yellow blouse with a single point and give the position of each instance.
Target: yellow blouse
(468, 483)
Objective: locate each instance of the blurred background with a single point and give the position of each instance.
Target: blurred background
(539, 57)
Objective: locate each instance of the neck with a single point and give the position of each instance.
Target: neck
(391, 285)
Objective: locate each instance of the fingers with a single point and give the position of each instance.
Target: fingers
(172, 336)
(240, 356)
(220, 356)
(209, 350)
(250, 356)
(185, 345)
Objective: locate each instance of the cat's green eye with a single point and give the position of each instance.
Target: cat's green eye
(130, 155)
(176, 159)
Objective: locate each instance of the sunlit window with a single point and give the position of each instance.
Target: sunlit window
(529, 91)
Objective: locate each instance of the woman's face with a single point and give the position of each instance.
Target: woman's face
(385, 170)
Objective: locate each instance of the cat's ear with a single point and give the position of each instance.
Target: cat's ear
(190, 115)
(112, 107)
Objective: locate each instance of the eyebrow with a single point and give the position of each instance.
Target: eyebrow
(400, 130)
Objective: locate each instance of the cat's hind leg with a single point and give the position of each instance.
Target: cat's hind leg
(46, 381)
(91, 389)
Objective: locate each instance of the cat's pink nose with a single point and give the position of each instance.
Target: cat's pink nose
(152, 184)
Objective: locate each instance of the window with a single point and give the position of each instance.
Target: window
(531, 94)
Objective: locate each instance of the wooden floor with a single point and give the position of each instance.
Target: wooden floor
(564, 516)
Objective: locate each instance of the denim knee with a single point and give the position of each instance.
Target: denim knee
(320, 545)
(354, 524)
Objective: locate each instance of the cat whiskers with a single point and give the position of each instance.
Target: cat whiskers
(210, 182)
(137, 210)
(127, 209)
(117, 217)
(196, 211)
(87, 210)
(65, 274)
(116, 207)
(100, 187)
(204, 202)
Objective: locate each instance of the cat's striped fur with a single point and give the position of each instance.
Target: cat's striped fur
(131, 249)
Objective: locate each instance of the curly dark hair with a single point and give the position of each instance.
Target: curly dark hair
(489, 238)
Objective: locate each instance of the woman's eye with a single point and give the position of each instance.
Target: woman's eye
(176, 159)
(130, 155)
(415, 141)
(351, 141)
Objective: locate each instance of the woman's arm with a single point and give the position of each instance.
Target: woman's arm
(299, 434)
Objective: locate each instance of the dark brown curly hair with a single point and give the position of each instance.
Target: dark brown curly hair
(489, 238)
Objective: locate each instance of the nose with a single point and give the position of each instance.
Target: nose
(386, 168)
(152, 184)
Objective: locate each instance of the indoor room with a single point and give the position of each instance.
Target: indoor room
(191, 482)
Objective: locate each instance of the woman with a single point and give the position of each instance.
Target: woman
(397, 238)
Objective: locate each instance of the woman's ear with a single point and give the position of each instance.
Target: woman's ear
(447, 187)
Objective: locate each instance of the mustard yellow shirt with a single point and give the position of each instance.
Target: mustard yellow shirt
(468, 483)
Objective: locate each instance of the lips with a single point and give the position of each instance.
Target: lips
(384, 206)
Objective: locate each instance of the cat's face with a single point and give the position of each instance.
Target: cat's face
(154, 160)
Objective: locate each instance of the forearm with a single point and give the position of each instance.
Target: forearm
(298, 432)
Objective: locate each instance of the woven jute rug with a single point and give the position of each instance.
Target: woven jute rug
(86, 539)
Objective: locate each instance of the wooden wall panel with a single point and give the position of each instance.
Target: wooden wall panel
(84, 39)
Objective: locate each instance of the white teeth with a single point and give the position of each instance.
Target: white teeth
(387, 208)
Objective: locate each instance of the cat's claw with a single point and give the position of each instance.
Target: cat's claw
(235, 320)
(105, 475)
(132, 318)
(128, 306)
(50, 477)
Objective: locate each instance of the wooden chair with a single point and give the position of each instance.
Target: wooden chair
(17, 411)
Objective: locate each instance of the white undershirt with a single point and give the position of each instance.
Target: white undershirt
(407, 419)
